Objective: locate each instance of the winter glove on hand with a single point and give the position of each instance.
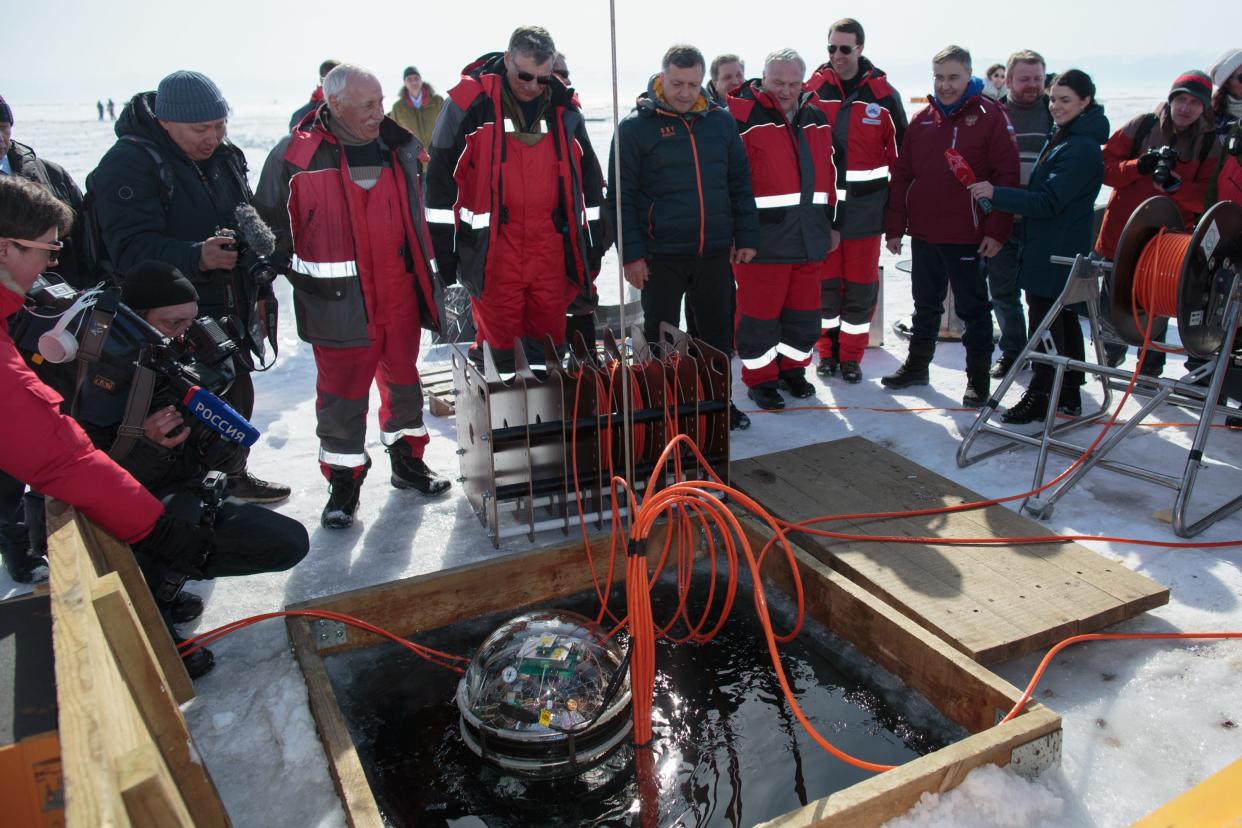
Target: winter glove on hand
(184, 547)
(446, 272)
(1147, 162)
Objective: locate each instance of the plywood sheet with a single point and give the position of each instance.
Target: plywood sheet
(991, 602)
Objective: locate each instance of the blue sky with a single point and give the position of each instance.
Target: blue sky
(59, 51)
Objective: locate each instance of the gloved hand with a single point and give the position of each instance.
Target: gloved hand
(446, 272)
(183, 546)
(1147, 162)
(1233, 144)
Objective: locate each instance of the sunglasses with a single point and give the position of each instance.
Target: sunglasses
(527, 77)
(845, 50)
(53, 248)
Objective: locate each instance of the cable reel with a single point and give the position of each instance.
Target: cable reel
(1161, 271)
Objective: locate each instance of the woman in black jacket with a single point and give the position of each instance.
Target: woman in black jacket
(1057, 207)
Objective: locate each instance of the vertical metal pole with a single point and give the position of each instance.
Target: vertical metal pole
(627, 404)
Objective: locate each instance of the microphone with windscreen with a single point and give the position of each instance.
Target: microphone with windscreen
(254, 230)
(962, 171)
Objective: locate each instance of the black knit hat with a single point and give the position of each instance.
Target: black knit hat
(155, 284)
(189, 98)
(1194, 83)
(410, 70)
(6, 113)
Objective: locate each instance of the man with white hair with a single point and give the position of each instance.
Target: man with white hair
(344, 196)
(788, 142)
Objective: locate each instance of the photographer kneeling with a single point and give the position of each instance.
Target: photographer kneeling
(176, 451)
(47, 450)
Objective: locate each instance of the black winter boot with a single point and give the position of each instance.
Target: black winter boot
(978, 379)
(914, 370)
(410, 472)
(1032, 408)
(978, 386)
(183, 609)
(344, 487)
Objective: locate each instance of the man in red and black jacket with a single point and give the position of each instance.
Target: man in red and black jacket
(868, 123)
(514, 191)
(789, 144)
(952, 235)
(1183, 124)
(343, 195)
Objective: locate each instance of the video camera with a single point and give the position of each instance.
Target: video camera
(59, 326)
(254, 244)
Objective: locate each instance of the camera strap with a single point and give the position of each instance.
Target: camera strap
(137, 404)
(95, 334)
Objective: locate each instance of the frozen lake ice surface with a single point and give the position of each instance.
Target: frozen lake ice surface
(1143, 721)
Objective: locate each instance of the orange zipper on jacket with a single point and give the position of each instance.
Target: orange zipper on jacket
(698, 181)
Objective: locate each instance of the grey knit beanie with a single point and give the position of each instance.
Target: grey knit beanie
(189, 98)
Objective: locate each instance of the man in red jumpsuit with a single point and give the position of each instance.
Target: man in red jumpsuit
(513, 197)
(344, 197)
(789, 145)
(867, 124)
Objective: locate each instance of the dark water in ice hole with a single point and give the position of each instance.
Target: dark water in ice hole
(729, 749)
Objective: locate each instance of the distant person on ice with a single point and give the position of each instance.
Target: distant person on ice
(111, 110)
(514, 191)
(316, 97)
(344, 195)
(99, 105)
(687, 209)
(952, 238)
(161, 192)
(417, 105)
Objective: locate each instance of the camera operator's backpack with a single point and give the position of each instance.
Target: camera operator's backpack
(94, 251)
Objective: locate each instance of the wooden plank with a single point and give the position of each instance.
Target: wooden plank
(83, 685)
(993, 602)
(113, 556)
(1213, 803)
(151, 800)
(874, 801)
(510, 582)
(141, 672)
(361, 809)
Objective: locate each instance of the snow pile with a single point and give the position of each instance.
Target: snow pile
(989, 797)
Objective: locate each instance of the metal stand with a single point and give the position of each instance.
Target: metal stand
(1209, 311)
(536, 450)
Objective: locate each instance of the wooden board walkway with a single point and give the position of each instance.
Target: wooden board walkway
(991, 602)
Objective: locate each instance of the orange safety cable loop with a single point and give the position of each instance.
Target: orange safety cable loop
(1078, 639)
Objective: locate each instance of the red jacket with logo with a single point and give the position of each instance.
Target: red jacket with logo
(325, 246)
(465, 180)
(51, 453)
(926, 201)
(791, 174)
(865, 140)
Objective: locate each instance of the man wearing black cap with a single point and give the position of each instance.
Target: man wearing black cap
(316, 97)
(162, 192)
(417, 106)
(1182, 123)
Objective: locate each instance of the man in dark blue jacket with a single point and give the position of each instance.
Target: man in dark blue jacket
(168, 183)
(687, 211)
